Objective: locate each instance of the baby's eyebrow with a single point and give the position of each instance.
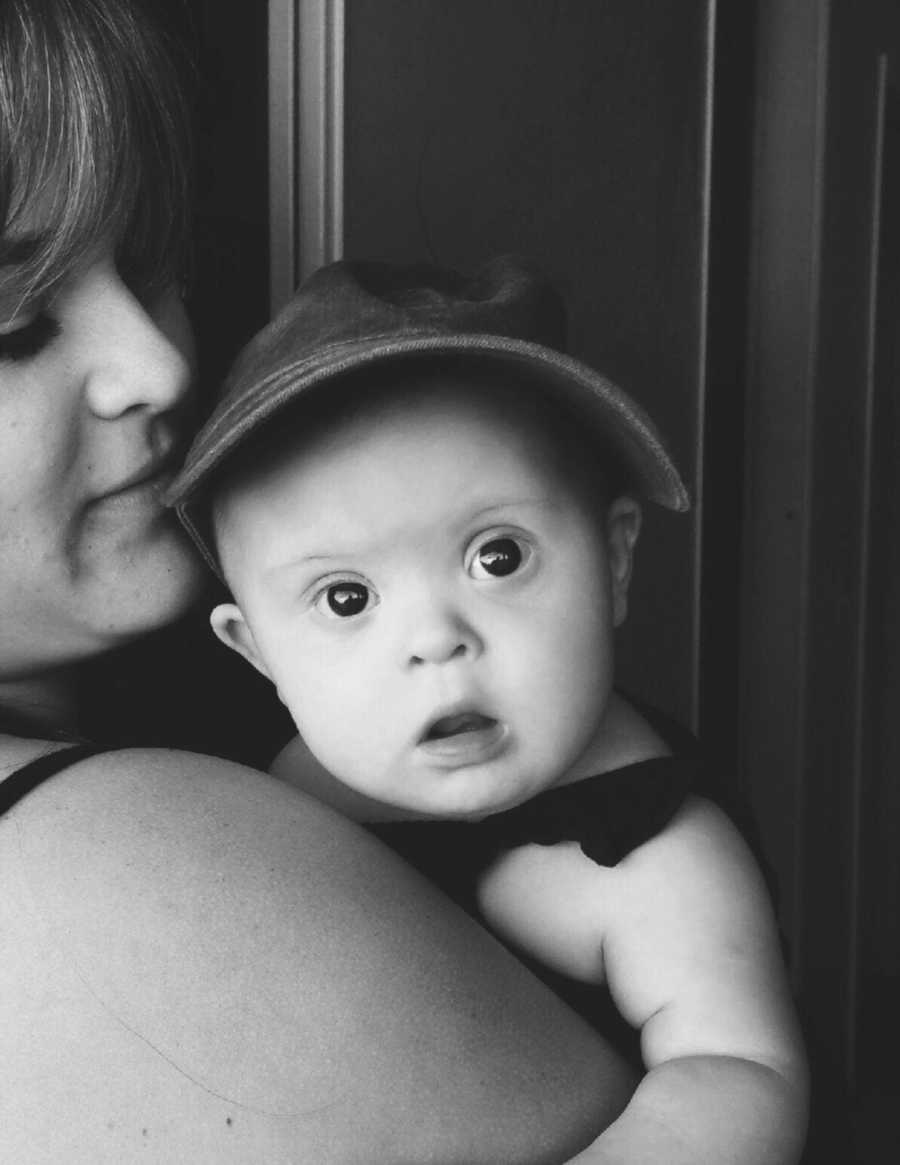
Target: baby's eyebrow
(302, 562)
(511, 504)
(344, 554)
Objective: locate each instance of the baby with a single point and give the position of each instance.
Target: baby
(426, 514)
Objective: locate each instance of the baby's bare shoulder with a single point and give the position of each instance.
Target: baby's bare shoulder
(696, 874)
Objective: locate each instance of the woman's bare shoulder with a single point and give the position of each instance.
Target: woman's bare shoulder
(128, 786)
(175, 839)
(171, 912)
(143, 801)
(198, 955)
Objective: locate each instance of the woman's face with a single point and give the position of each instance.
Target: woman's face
(93, 385)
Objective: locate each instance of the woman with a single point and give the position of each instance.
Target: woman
(195, 965)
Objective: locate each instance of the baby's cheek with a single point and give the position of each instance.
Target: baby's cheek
(570, 678)
(305, 693)
(336, 719)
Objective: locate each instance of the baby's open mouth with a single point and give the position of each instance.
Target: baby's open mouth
(457, 725)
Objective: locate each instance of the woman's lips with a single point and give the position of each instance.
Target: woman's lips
(136, 500)
(155, 474)
(146, 486)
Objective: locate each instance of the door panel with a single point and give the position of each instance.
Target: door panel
(576, 133)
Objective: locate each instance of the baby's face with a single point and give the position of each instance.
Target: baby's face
(434, 603)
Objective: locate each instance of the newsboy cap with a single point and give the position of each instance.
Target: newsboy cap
(350, 316)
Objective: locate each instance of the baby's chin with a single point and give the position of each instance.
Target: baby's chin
(465, 800)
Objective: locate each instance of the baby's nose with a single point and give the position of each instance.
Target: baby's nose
(441, 635)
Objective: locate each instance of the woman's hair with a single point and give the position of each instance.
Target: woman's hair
(94, 140)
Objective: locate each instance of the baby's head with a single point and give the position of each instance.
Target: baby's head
(428, 554)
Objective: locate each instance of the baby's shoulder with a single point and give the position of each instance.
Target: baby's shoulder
(563, 906)
(695, 835)
(699, 838)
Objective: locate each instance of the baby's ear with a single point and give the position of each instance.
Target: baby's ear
(228, 622)
(623, 525)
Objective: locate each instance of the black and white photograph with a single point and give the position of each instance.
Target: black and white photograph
(449, 582)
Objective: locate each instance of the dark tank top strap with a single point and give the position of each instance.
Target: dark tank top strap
(20, 783)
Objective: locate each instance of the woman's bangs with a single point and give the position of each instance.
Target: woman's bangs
(94, 148)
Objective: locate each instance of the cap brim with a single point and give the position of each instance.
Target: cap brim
(622, 422)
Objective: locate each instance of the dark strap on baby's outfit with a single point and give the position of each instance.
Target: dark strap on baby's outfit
(607, 815)
(20, 783)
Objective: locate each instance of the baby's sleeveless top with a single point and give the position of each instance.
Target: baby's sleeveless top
(21, 782)
(608, 816)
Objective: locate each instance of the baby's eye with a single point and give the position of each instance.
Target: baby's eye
(498, 558)
(344, 599)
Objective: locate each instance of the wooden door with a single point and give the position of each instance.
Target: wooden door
(819, 651)
(577, 133)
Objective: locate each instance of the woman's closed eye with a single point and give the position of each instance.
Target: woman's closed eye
(22, 341)
(498, 556)
(344, 599)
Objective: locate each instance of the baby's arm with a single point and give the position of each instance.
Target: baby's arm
(683, 933)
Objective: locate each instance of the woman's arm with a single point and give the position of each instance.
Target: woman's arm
(209, 967)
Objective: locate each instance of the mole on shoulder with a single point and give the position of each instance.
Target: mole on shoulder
(229, 1121)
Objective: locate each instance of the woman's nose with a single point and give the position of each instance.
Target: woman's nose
(142, 356)
(439, 635)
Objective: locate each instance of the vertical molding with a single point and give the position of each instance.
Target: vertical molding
(282, 151)
(306, 127)
(320, 189)
(702, 374)
(801, 887)
(783, 352)
(865, 562)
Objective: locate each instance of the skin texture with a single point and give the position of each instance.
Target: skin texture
(435, 598)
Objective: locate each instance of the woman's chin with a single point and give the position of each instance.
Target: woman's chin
(149, 586)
